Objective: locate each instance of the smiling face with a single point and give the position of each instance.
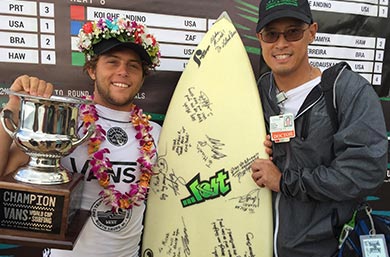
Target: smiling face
(118, 76)
(286, 58)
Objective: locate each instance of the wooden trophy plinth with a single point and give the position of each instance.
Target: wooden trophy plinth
(39, 215)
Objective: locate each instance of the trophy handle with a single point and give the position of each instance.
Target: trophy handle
(89, 133)
(7, 114)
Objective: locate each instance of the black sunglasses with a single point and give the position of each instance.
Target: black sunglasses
(291, 35)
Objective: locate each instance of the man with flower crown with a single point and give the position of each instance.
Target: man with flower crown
(117, 160)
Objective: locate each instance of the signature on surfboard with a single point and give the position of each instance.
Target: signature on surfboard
(197, 105)
(243, 168)
(249, 201)
(210, 149)
(170, 246)
(166, 179)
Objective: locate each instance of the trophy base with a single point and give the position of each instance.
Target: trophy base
(66, 243)
(41, 215)
(43, 176)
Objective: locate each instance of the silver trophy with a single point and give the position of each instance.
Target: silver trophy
(46, 131)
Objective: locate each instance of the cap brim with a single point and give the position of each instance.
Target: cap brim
(107, 45)
(282, 14)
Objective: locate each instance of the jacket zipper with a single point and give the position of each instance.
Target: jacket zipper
(276, 225)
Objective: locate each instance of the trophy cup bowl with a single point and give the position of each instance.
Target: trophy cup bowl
(47, 195)
(46, 132)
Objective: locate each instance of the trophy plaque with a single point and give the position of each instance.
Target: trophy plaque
(40, 202)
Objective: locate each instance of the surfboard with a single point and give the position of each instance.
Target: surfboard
(202, 201)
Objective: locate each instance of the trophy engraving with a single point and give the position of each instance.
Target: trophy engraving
(41, 199)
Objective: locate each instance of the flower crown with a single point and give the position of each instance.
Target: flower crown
(122, 29)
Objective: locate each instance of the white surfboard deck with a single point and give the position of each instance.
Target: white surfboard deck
(203, 201)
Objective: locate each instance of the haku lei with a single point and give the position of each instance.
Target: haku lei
(101, 165)
(124, 30)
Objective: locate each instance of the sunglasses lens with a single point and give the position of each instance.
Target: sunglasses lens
(290, 35)
(293, 35)
(270, 36)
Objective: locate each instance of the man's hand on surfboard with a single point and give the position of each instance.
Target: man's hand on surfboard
(268, 146)
(266, 174)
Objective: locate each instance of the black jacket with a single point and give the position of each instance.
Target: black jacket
(326, 172)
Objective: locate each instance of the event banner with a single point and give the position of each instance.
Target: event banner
(38, 37)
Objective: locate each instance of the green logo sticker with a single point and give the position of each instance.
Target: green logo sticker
(201, 191)
(274, 3)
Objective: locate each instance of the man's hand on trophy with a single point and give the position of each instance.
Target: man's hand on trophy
(33, 86)
(30, 85)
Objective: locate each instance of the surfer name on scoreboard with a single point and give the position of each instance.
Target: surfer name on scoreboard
(88, 1)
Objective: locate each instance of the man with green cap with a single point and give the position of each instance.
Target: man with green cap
(318, 172)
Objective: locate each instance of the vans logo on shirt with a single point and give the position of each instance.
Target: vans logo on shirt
(121, 171)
